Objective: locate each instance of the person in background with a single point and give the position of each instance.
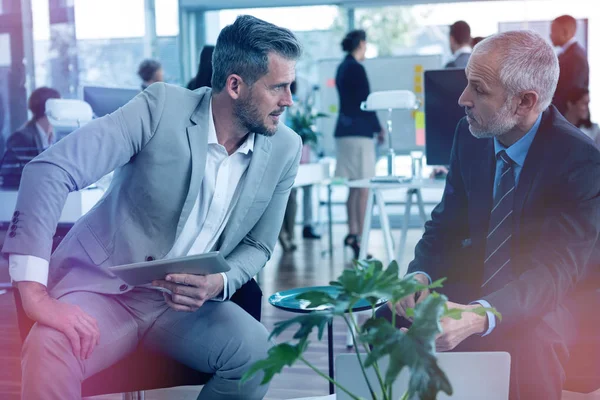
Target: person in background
(578, 113)
(354, 132)
(37, 132)
(572, 60)
(476, 40)
(150, 71)
(460, 44)
(205, 70)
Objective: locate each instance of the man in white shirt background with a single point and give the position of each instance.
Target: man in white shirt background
(460, 44)
(572, 60)
(194, 172)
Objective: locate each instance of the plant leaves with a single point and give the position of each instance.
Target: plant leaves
(307, 322)
(278, 357)
(414, 349)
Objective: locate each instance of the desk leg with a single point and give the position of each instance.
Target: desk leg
(330, 220)
(421, 205)
(364, 241)
(330, 352)
(404, 233)
(385, 226)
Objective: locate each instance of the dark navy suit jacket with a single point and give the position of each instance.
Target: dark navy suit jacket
(557, 223)
(574, 73)
(353, 88)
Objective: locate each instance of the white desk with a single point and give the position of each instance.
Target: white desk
(413, 188)
(77, 204)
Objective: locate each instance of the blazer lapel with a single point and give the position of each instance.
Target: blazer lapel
(198, 141)
(482, 189)
(252, 182)
(531, 167)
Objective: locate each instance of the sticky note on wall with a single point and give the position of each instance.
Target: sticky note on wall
(420, 128)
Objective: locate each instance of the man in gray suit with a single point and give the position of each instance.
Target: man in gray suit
(460, 44)
(194, 172)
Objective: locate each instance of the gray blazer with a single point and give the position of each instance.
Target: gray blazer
(460, 62)
(157, 145)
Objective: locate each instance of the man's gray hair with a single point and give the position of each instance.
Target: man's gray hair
(243, 48)
(527, 62)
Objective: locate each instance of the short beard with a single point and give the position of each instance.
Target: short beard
(502, 123)
(248, 116)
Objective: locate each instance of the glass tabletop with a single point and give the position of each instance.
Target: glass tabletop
(286, 300)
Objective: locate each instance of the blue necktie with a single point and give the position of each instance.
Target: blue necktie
(497, 269)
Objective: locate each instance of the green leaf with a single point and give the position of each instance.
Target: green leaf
(414, 349)
(278, 357)
(456, 313)
(307, 322)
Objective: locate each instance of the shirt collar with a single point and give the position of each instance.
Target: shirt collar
(245, 147)
(518, 151)
(43, 135)
(569, 43)
(466, 49)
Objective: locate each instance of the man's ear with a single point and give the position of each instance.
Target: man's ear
(528, 101)
(234, 86)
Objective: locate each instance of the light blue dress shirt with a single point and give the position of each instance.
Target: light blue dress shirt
(518, 153)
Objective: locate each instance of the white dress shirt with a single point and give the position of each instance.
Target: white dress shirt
(466, 49)
(565, 46)
(219, 193)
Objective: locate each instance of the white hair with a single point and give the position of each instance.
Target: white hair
(527, 62)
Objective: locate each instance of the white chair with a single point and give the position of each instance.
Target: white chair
(66, 115)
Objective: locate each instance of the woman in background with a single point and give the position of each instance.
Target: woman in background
(205, 69)
(578, 113)
(354, 132)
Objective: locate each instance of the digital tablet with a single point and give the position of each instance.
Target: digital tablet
(145, 272)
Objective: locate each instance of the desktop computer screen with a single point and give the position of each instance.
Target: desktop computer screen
(105, 100)
(442, 112)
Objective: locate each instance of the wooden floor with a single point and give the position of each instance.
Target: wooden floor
(304, 267)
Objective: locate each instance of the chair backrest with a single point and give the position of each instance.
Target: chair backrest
(473, 376)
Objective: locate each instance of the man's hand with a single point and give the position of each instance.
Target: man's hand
(454, 331)
(190, 291)
(80, 328)
(411, 301)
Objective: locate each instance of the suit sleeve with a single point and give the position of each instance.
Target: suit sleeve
(448, 225)
(570, 230)
(362, 87)
(248, 258)
(74, 163)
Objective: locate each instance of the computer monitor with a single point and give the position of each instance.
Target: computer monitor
(105, 100)
(442, 112)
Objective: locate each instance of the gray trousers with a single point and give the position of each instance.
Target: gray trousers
(220, 338)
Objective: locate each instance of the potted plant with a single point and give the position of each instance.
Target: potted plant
(377, 337)
(303, 120)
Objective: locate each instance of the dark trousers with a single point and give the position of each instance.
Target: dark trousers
(538, 356)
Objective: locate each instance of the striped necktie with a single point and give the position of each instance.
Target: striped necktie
(498, 249)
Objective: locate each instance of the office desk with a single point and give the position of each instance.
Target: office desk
(318, 174)
(413, 188)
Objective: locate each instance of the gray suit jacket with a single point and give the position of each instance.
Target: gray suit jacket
(460, 62)
(157, 145)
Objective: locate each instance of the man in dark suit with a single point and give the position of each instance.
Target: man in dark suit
(30, 140)
(572, 59)
(460, 44)
(37, 132)
(519, 219)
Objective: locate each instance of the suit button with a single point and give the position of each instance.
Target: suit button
(123, 287)
(12, 234)
(13, 227)
(15, 220)
(149, 258)
(16, 214)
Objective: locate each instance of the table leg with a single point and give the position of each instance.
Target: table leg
(364, 241)
(385, 226)
(330, 353)
(404, 233)
(330, 220)
(421, 205)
